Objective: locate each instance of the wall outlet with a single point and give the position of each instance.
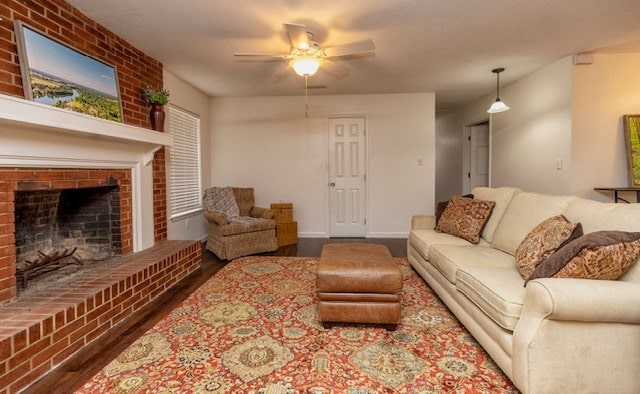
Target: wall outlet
(187, 223)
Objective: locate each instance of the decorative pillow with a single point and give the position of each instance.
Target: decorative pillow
(543, 240)
(442, 205)
(598, 255)
(465, 218)
(222, 199)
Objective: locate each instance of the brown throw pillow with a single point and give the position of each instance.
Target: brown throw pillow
(442, 205)
(598, 255)
(465, 218)
(543, 240)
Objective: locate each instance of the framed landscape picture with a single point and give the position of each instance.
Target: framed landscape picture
(632, 140)
(57, 75)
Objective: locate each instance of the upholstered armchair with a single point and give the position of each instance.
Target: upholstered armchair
(237, 227)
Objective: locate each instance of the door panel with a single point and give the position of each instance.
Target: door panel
(347, 197)
(479, 156)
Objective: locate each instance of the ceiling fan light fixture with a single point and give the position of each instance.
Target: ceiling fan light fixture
(498, 105)
(305, 66)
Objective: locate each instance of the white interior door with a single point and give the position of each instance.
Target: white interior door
(347, 178)
(478, 174)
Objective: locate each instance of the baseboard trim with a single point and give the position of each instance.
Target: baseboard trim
(310, 234)
(388, 235)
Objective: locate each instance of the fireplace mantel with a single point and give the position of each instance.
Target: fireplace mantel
(28, 114)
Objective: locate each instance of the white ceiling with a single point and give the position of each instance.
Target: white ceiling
(443, 46)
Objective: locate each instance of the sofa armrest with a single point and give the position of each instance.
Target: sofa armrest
(216, 217)
(584, 300)
(263, 213)
(423, 222)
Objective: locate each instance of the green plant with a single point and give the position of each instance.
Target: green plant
(153, 96)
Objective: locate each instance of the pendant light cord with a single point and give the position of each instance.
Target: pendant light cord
(306, 95)
(498, 85)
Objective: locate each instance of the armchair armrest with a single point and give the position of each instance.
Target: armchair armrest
(216, 217)
(264, 213)
(584, 300)
(423, 222)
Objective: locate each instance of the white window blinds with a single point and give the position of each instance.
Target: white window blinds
(184, 162)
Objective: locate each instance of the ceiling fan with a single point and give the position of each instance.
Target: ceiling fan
(306, 56)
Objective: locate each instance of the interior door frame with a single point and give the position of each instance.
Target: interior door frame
(466, 152)
(366, 169)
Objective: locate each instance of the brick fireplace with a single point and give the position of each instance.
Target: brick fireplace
(35, 189)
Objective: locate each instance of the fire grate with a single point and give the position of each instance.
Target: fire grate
(46, 263)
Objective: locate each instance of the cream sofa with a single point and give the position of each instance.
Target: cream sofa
(554, 335)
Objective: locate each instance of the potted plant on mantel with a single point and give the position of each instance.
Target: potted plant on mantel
(156, 99)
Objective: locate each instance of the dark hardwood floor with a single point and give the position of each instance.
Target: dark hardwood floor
(70, 375)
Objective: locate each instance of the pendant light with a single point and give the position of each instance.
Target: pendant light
(498, 105)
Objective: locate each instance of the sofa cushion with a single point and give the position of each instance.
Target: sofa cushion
(526, 211)
(502, 197)
(543, 240)
(597, 255)
(465, 218)
(245, 224)
(421, 240)
(498, 291)
(448, 258)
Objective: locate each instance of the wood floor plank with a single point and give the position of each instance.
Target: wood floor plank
(74, 372)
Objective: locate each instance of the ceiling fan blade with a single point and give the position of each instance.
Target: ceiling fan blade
(257, 54)
(334, 69)
(283, 74)
(297, 35)
(352, 48)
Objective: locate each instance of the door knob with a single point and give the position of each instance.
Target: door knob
(332, 184)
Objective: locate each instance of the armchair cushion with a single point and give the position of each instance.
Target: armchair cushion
(245, 224)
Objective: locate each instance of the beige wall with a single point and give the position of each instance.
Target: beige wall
(527, 140)
(268, 143)
(187, 97)
(603, 92)
(449, 166)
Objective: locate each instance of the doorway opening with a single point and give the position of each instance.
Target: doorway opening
(477, 153)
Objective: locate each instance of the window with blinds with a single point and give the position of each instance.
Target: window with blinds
(184, 162)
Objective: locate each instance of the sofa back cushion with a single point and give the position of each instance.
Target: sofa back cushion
(600, 216)
(523, 214)
(502, 197)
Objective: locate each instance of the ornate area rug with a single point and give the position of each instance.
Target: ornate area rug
(253, 328)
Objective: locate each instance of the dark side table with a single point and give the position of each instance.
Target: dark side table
(617, 190)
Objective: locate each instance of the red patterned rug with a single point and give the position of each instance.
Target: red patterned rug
(253, 327)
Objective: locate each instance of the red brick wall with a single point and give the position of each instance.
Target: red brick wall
(12, 179)
(61, 21)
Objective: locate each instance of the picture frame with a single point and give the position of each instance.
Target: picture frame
(56, 74)
(632, 141)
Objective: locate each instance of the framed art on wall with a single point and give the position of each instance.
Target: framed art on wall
(632, 140)
(58, 75)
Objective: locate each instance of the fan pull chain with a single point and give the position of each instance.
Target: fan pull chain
(306, 95)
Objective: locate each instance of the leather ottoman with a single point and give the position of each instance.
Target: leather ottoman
(358, 283)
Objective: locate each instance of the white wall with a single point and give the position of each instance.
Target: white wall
(602, 93)
(527, 140)
(187, 97)
(268, 143)
(449, 165)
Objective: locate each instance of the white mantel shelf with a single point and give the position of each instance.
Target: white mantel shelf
(23, 113)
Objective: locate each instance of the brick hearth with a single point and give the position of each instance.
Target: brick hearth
(43, 329)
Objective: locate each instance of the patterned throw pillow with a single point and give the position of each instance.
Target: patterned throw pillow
(599, 255)
(465, 218)
(543, 240)
(442, 205)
